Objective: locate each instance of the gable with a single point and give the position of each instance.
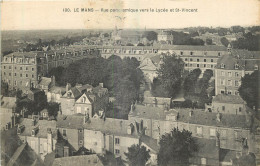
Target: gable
(83, 99)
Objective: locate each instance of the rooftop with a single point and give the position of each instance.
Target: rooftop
(8, 102)
(199, 116)
(43, 125)
(231, 99)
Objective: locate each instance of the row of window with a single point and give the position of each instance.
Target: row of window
(21, 68)
(230, 74)
(21, 75)
(198, 60)
(199, 65)
(129, 51)
(229, 82)
(20, 60)
(224, 109)
(205, 53)
(222, 133)
(229, 92)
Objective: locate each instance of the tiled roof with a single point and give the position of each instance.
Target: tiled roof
(231, 99)
(43, 125)
(92, 160)
(150, 142)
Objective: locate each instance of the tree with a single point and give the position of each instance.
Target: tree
(137, 155)
(150, 35)
(249, 89)
(53, 109)
(140, 44)
(170, 74)
(176, 148)
(4, 88)
(190, 81)
(209, 41)
(224, 41)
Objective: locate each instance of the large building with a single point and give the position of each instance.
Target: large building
(165, 36)
(232, 67)
(22, 70)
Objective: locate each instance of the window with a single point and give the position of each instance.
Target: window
(223, 73)
(80, 142)
(26, 68)
(222, 92)
(186, 65)
(229, 74)
(80, 130)
(191, 53)
(4, 73)
(212, 132)
(9, 74)
(191, 59)
(205, 65)
(236, 74)
(4, 67)
(181, 53)
(21, 68)
(205, 53)
(32, 76)
(117, 151)
(190, 65)
(14, 74)
(21, 75)
(211, 66)
(117, 141)
(205, 60)
(78, 110)
(229, 83)
(15, 83)
(26, 75)
(256, 67)
(219, 54)
(222, 82)
(222, 66)
(236, 83)
(198, 65)
(203, 161)
(223, 133)
(240, 109)
(223, 108)
(32, 69)
(211, 60)
(64, 132)
(236, 66)
(237, 135)
(199, 130)
(198, 60)
(21, 82)
(10, 67)
(186, 59)
(229, 92)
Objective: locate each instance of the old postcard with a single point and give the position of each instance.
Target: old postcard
(130, 82)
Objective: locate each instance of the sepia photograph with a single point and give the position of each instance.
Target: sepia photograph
(130, 83)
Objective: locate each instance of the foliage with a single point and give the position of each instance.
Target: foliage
(170, 75)
(181, 38)
(176, 148)
(190, 81)
(4, 88)
(150, 35)
(249, 42)
(57, 72)
(137, 155)
(209, 41)
(249, 89)
(224, 41)
(140, 44)
(53, 109)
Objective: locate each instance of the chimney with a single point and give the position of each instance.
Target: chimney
(130, 129)
(49, 140)
(218, 117)
(68, 86)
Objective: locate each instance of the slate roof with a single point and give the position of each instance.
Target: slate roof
(45, 81)
(231, 99)
(194, 48)
(71, 121)
(160, 100)
(91, 160)
(43, 125)
(199, 117)
(150, 142)
(110, 126)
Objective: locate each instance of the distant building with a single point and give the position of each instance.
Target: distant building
(84, 99)
(165, 36)
(55, 93)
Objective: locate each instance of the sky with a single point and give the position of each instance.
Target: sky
(34, 15)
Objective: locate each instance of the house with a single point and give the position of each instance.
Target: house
(46, 83)
(228, 104)
(165, 36)
(55, 93)
(40, 135)
(84, 99)
(8, 104)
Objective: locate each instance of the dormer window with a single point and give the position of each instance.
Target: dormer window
(83, 99)
(222, 65)
(236, 66)
(69, 94)
(256, 67)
